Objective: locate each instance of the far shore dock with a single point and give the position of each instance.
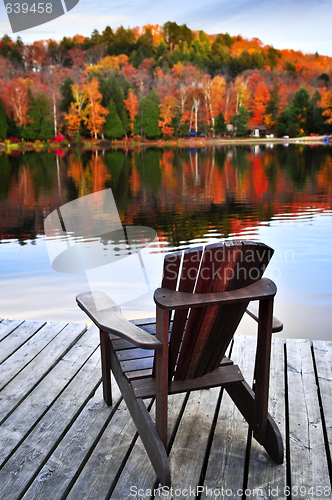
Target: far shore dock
(58, 439)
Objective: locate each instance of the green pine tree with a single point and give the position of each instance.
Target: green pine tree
(3, 121)
(67, 94)
(240, 120)
(220, 125)
(39, 119)
(315, 119)
(111, 89)
(31, 130)
(147, 118)
(294, 120)
(154, 96)
(46, 129)
(113, 124)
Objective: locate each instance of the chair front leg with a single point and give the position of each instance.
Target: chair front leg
(262, 369)
(106, 366)
(161, 359)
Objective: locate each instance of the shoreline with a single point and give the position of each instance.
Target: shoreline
(192, 143)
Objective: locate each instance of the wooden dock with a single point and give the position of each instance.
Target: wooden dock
(59, 440)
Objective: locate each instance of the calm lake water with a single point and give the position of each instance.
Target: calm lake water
(281, 195)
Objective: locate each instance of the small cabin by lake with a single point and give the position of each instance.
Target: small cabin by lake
(258, 131)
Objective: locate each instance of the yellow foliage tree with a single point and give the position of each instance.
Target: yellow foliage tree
(166, 113)
(242, 91)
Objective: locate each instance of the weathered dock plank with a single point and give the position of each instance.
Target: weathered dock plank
(323, 360)
(102, 468)
(29, 377)
(22, 357)
(138, 473)
(71, 454)
(264, 475)
(308, 461)
(25, 463)
(191, 439)
(18, 337)
(228, 453)
(38, 402)
(7, 326)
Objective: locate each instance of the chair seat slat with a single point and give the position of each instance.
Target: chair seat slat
(220, 377)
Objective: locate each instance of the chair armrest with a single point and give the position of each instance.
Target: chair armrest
(169, 299)
(277, 325)
(108, 318)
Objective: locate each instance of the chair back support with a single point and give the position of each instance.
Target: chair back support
(199, 337)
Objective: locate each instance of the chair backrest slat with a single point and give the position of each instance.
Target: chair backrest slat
(187, 281)
(214, 263)
(199, 340)
(249, 269)
(172, 263)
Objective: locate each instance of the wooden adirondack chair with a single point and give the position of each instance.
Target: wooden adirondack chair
(209, 291)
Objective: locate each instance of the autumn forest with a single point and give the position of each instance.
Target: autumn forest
(160, 82)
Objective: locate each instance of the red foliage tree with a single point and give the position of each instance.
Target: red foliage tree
(259, 103)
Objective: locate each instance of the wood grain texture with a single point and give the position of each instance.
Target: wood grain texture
(222, 376)
(167, 299)
(307, 449)
(107, 317)
(189, 446)
(26, 462)
(62, 441)
(323, 358)
(212, 258)
(103, 465)
(146, 428)
(227, 456)
(264, 474)
(7, 326)
(138, 471)
(18, 337)
(35, 403)
(61, 469)
(29, 377)
(26, 353)
(187, 281)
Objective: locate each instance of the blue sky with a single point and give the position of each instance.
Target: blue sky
(300, 25)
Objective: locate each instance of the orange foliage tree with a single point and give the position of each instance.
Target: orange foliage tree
(166, 113)
(73, 121)
(259, 103)
(94, 113)
(131, 104)
(326, 104)
(74, 117)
